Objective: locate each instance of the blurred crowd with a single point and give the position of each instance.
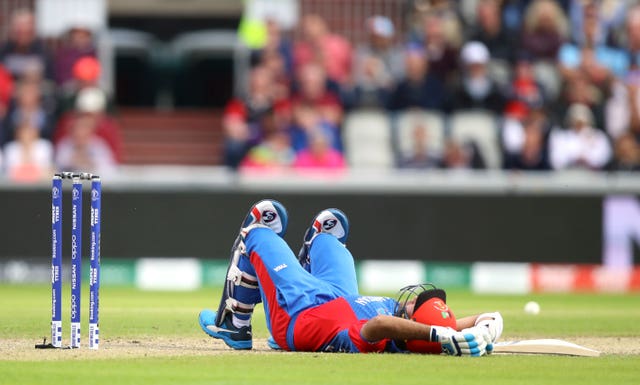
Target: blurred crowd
(552, 84)
(560, 79)
(53, 112)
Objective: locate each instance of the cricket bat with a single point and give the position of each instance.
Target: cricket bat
(544, 346)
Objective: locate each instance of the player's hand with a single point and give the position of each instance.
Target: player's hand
(474, 341)
(493, 322)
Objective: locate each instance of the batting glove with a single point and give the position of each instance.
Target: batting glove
(469, 342)
(493, 322)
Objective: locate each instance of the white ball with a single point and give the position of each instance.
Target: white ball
(532, 308)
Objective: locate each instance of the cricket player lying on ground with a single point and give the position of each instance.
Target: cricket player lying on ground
(312, 302)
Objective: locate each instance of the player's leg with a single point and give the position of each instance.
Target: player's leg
(232, 321)
(324, 253)
(287, 289)
(269, 213)
(234, 328)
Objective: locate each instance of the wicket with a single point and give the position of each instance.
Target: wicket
(76, 258)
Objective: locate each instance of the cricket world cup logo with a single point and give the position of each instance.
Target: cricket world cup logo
(55, 192)
(95, 195)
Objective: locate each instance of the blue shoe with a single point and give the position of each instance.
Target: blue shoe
(236, 338)
(273, 344)
(329, 221)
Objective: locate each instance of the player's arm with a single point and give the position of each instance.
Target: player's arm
(474, 341)
(466, 322)
(395, 328)
(492, 321)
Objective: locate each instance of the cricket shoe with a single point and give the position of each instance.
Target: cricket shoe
(234, 337)
(329, 221)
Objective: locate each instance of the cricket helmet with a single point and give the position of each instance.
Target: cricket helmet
(430, 308)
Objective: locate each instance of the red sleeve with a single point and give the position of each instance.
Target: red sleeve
(363, 345)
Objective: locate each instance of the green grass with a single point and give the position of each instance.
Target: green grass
(304, 368)
(127, 313)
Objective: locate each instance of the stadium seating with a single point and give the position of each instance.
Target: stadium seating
(133, 54)
(180, 137)
(479, 127)
(205, 64)
(367, 140)
(404, 126)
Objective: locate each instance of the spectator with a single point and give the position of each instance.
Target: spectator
(439, 46)
(437, 6)
(420, 157)
(241, 117)
(592, 56)
(378, 66)
(545, 29)
(23, 47)
(281, 82)
(580, 145)
(86, 75)
(315, 107)
(6, 91)
(524, 86)
(627, 153)
(28, 107)
(83, 150)
(91, 104)
(633, 34)
(320, 45)
(77, 44)
(275, 43)
(420, 88)
(490, 32)
(477, 90)
(524, 138)
(462, 156)
(609, 14)
(274, 152)
(28, 158)
(513, 14)
(319, 155)
(622, 109)
(579, 90)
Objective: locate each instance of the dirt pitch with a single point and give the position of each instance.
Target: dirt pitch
(23, 350)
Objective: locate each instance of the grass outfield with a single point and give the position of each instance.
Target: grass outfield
(153, 338)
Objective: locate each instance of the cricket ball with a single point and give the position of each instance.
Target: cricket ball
(532, 307)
